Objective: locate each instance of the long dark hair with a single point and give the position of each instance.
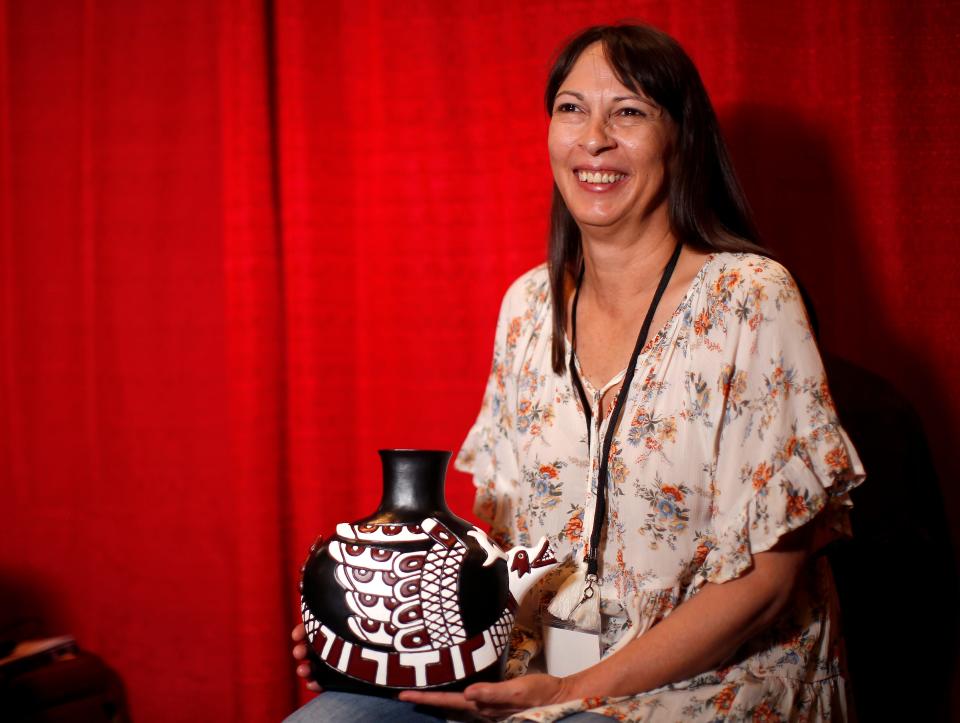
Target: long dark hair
(707, 207)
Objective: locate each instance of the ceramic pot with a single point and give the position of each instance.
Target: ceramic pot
(412, 596)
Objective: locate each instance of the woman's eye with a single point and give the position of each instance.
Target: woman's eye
(567, 108)
(632, 112)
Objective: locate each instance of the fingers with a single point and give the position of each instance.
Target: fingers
(456, 701)
(494, 693)
(527, 691)
(304, 670)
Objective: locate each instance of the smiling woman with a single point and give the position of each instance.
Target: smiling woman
(608, 146)
(680, 411)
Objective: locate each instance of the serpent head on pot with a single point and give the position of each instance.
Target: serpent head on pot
(525, 565)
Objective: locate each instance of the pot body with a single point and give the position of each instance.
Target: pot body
(406, 597)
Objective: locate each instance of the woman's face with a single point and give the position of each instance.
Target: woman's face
(609, 147)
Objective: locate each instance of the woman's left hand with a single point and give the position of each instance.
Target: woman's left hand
(497, 700)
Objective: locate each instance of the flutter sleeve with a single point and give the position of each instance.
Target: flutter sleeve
(489, 452)
(782, 458)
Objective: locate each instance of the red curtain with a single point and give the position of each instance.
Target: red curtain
(245, 244)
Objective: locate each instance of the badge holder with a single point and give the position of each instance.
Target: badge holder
(571, 640)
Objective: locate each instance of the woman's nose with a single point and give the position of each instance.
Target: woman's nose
(596, 136)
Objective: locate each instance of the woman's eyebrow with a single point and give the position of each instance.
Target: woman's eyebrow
(617, 99)
(634, 97)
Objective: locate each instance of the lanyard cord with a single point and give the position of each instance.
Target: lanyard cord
(600, 512)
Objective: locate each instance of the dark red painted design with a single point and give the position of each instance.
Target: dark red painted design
(521, 565)
(442, 535)
(415, 639)
(410, 587)
(399, 675)
(466, 652)
(333, 657)
(442, 671)
(371, 626)
(362, 574)
(368, 528)
(411, 615)
(412, 563)
(380, 555)
(360, 667)
(319, 641)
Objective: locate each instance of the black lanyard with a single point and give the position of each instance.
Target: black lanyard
(600, 512)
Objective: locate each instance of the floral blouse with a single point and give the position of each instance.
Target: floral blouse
(728, 440)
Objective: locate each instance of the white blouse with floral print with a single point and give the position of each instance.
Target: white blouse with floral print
(728, 440)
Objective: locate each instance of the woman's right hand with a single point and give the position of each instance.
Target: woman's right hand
(300, 653)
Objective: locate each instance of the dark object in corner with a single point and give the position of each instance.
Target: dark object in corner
(54, 682)
(896, 578)
(78, 689)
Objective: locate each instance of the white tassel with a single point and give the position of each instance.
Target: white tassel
(578, 602)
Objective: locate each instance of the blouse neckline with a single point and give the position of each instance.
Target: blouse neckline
(653, 340)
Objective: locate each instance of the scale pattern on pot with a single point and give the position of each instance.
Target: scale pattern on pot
(404, 600)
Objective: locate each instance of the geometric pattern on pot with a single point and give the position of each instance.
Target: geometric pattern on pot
(394, 669)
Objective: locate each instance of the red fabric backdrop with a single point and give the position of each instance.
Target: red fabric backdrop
(246, 244)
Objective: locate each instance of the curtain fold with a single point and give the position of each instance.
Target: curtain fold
(257, 491)
(245, 244)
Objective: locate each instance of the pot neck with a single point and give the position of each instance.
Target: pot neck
(413, 480)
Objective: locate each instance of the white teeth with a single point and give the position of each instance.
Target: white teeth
(599, 177)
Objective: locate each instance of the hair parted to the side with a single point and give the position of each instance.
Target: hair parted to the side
(707, 207)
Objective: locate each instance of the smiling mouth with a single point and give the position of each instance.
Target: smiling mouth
(599, 177)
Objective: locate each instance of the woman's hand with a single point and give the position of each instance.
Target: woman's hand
(300, 653)
(497, 700)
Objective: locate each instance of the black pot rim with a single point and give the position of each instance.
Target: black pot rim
(417, 451)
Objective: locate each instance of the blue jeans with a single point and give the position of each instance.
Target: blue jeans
(337, 707)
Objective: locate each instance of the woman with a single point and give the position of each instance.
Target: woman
(696, 500)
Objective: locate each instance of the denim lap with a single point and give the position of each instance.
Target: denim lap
(339, 707)
(335, 706)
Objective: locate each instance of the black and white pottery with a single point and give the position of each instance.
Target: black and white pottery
(412, 596)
